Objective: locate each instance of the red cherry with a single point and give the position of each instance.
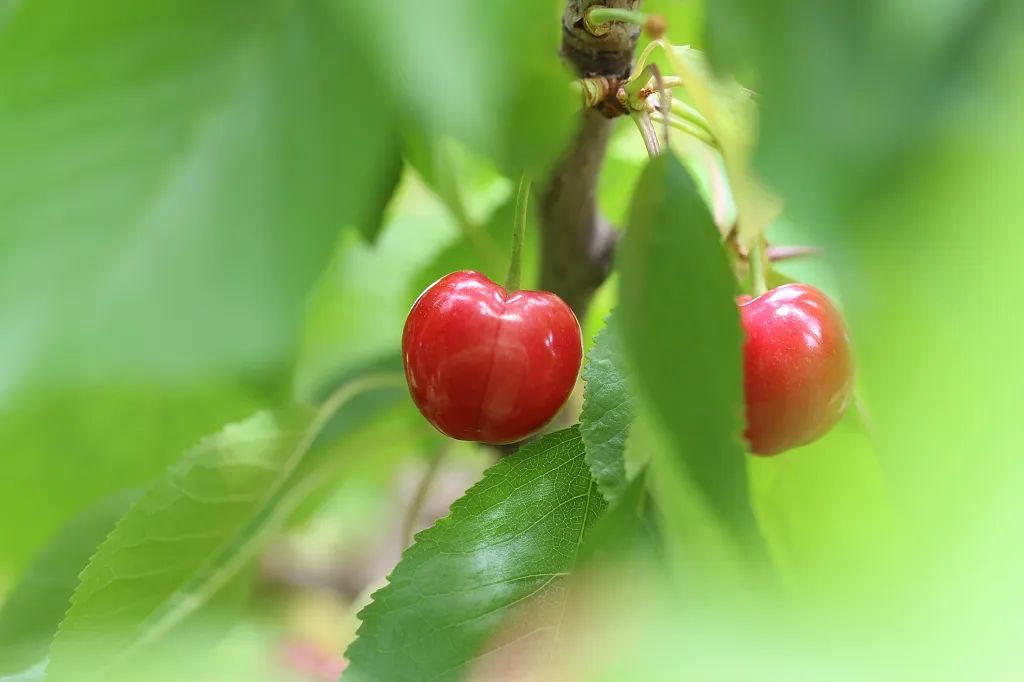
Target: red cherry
(487, 365)
(798, 369)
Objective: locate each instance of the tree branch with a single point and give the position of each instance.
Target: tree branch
(577, 243)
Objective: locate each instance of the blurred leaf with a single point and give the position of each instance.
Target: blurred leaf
(488, 74)
(607, 413)
(466, 184)
(173, 177)
(680, 328)
(36, 606)
(509, 540)
(626, 532)
(372, 221)
(896, 131)
(715, 565)
(190, 535)
(75, 447)
(357, 310)
(486, 252)
(875, 71)
(731, 114)
(823, 509)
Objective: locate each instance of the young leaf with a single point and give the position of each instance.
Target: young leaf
(607, 413)
(731, 113)
(36, 605)
(186, 538)
(173, 176)
(511, 538)
(680, 327)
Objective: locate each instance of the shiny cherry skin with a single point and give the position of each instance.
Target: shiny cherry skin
(797, 367)
(487, 365)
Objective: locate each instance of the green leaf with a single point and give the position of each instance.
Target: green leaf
(485, 251)
(173, 177)
(731, 113)
(487, 74)
(628, 531)
(190, 534)
(36, 606)
(824, 508)
(104, 440)
(372, 220)
(607, 413)
(680, 327)
(511, 538)
(357, 310)
(467, 184)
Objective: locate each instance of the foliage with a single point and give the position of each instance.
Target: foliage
(607, 413)
(511, 540)
(217, 213)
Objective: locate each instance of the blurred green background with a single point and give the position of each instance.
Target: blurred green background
(213, 207)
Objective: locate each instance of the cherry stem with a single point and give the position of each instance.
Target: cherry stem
(688, 113)
(758, 274)
(647, 132)
(515, 266)
(684, 126)
(663, 97)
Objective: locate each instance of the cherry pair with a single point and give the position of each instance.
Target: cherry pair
(491, 366)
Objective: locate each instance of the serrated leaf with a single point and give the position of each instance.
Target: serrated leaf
(607, 413)
(123, 437)
(173, 177)
(680, 328)
(508, 542)
(188, 536)
(36, 605)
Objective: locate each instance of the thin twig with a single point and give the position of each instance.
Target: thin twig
(685, 127)
(642, 119)
(663, 97)
(777, 253)
(412, 514)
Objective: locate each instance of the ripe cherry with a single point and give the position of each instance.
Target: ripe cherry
(798, 369)
(487, 365)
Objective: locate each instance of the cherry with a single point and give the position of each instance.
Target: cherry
(487, 365)
(798, 369)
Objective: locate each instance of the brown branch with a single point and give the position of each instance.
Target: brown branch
(577, 242)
